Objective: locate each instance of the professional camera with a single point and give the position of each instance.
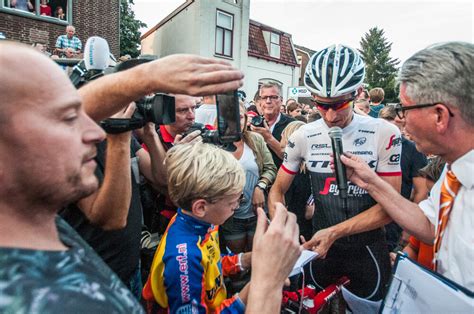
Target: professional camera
(208, 136)
(257, 121)
(159, 109)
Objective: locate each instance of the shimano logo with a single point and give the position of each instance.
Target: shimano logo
(367, 131)
(363, 152)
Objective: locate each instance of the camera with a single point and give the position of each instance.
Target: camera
(159, 109)
(211, 137)
(257, 121)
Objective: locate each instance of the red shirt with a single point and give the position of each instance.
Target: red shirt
(45, 10)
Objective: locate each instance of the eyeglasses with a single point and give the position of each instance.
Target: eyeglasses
(400, 110)
(272, 97)
(334, 106)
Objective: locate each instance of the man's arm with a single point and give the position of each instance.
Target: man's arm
(108, 206)
(276, 245)
(406, 214)
(271, 141)
(278, 190)
(177, 74)
(370, 219)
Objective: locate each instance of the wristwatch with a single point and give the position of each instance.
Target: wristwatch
(262, 185)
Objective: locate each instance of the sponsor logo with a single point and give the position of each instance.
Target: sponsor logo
(212, 292)
(285, 156)
(182, 259)
(330, 187)
(291, 144)
(313, 135)
(394, 158)
(363, 152)
(322, 164)
(372, 163)
(360, 141)
(367, 131)
(394, 141)
(320, 154)
(319, 146)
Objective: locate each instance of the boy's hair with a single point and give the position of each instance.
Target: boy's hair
(292, 107)
(376, 94)
(202, 171)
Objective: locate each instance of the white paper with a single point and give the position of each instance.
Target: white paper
(359, 305)
(305, 257)
(416, 290)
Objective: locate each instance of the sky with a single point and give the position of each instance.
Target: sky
(410, 25)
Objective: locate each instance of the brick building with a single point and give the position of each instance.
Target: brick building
(90, 18)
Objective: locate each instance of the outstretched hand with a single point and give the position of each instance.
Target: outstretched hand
(275, 247)
(194, 75)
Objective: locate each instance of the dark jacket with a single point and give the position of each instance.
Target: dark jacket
(279, 127)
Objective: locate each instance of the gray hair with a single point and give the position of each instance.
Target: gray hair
(442, 73)
(271, 84)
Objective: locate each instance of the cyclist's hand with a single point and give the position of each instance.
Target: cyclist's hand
(321, 242)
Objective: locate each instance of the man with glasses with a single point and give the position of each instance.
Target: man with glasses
(349, 239)
(436, 104)
(275, 122)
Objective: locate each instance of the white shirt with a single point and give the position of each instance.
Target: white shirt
(206, 114)
(276, 121)
(456, 254)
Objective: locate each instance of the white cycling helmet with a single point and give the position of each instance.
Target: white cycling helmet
(334, 71)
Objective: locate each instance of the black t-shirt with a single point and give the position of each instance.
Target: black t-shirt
(277, 130)
(120, 249)
(412, 161)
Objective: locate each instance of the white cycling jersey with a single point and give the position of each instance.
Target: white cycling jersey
(376, 141)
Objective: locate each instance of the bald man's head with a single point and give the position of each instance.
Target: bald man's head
(29, 78)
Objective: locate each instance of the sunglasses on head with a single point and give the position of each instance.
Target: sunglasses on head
(334, 106)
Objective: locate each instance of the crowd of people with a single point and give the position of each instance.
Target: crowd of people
(57, 11)
(156, 220)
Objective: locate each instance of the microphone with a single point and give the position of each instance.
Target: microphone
(335, 133)
(96, 56)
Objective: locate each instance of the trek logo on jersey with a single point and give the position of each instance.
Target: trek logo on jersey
(360, 141)
(291, 144)
(330, 187)
(319, 146)
(394, 141)
(182, 259)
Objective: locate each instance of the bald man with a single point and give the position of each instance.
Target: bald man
(47, 150)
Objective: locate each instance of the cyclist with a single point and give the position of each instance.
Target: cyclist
(350, 241)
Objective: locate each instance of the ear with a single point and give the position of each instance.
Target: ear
(198, 208)
(442, 118)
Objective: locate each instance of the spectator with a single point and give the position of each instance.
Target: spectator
(413, 185)
(436, 105)
(207, 112)
(275, 122)
(376, 97)
(59, 13)
(260, 171)
(313, 116)
(24, 5)
(348, 237)
(362, 106)
(45, 9)
(363, 94)
(47, 146)
(298, 197)
(191, 239)
(69, 41)
(293, 109)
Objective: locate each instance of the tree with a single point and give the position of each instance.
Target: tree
(381, 69)
(129, 30)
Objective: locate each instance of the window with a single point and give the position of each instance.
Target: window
(224, 33)
(58, 11)
(275, 45)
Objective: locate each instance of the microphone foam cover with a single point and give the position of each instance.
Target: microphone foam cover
(96, 53)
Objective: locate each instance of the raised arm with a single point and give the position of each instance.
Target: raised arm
(178, 74)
